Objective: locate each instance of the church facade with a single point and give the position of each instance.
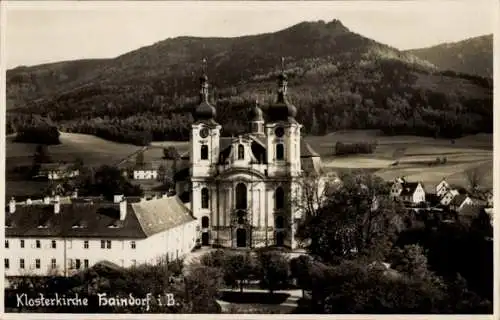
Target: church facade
(246, 190)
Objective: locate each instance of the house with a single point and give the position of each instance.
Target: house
(442, 188)
(458, 201)
(489, 199)
(448, 196)
(55, 238)
(56, 171)
(469, 212)
(397, 187)
(411, 192)
(145, 172)
(432, 199)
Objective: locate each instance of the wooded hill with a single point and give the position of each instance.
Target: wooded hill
(473, 55)
(337, 79)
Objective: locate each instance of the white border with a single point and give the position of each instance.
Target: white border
(221, 5)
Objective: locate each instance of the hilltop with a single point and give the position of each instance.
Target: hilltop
(338, 80)
(473, 55)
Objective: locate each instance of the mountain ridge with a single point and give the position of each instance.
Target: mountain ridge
(472, 55)
(333, 72)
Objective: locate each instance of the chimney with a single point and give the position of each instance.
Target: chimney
(57, 205)
(118, 198)
(123, 209)
(12, 205)
(46, 200)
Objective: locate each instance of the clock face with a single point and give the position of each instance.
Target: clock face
(204, 133)
(279, 132)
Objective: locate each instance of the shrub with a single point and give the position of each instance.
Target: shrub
(354, 148)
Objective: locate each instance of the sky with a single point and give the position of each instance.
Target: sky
(42, 32)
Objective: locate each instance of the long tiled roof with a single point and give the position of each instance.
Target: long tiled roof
(409, 188)
(458, 199)
(161, 214)
(96, 219)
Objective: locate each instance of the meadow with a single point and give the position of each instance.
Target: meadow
(413, 155)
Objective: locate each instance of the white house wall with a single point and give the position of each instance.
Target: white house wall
(175, 242)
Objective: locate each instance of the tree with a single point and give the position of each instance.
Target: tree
(359, 218)
(482, 224)
(139, 159)
(216, 259)
(171, 153)
(239, 268)
(357, 288)
(78, 163)
(202, 288)
(162, 173)
(462, 300)
(275, 269)
(474, 177)
(300, 268)
(410, 260)
(108, 181)
(42, 154)
(315, 189)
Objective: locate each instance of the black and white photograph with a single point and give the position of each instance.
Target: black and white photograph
(248, 157)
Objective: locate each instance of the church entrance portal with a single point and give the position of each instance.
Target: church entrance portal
(241, 237)
(280, 238)
(205, 239)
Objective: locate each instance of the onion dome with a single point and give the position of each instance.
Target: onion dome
(255, 113)
(282, 110)
(204, 111)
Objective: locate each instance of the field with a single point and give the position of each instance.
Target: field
(92, 150)
(412, 153)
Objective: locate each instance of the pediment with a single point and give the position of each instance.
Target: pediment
(246, 174)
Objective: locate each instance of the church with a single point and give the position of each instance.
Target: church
(246, 190)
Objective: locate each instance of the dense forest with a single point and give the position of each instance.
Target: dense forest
(337, 80)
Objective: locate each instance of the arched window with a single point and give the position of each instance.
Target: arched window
(241, 196)
(280, 152)
(241, 152)
(205, 222)
(204, 152)
(204, 198)
(280, 222)
(279, 198)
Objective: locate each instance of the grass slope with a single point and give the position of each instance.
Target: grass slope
(414, 155)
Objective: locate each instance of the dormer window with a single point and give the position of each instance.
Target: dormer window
(78, 225)
(280, 152)
(241, 152)
(204, 152)
(116, 224)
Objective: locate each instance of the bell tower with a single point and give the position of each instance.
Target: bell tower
(205, 132)
(204, 145)
(256, 119)
(283, 132)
